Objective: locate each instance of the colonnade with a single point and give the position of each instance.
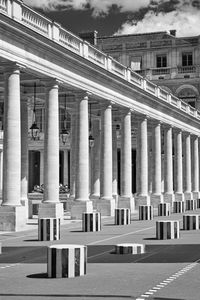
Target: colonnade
(95, 186)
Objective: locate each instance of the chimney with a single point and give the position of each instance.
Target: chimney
(90, 37)
(173, 32)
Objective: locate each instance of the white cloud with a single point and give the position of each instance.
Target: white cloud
(185, 19)
(98, 6)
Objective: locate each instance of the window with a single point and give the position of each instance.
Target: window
(161, 61)
(187, 59)
(136, 63)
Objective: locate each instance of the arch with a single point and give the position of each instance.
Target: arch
(187, 87)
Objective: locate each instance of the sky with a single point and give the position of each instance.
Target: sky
(111, 17)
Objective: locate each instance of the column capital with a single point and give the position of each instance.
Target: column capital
(12, 67)
(51, 82)
(167, 126)
(177, 130)
(82, 95)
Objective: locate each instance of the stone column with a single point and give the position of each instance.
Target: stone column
(95, 166)
(41, 167)
(66, 167)
(150, 161)
(73, 139)
(142, 168)
(24, 155)
(106, 204)
(126, 199)
(178, 147)
(187, 160)
(115, 166)
(195, 186)
(1, 169)
(156, 196)
(12, 213)
(51, 206)
(82, 202)
(168, 165)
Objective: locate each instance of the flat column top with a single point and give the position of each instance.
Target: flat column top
(65, 246)
(129, 245)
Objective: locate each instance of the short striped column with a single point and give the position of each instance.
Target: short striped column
(167, 230)
(191, 204)
(178, 207)
(129, 248)
(191, 222)
(49, 229)
(145, 212)
(164, 209)
(198, 203)
(122, 216)
(66, 261)
(91, 221)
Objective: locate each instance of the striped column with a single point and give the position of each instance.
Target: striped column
(145, 212)
(66, 261)
(167, 230)
(178, 207)
(49, 229)
(164, 209)
(91, 221)
(191, 204)
(122, 216)
(129, 248)
(191, 222)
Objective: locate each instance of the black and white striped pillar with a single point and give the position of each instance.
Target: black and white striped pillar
(167, 230)
(178, 207)
(49, 229)
(164, 209)
(145, 212)
(66, 261)
(129, 248)
(122, 216)
(191, 222)
(91, 221)
(191, 204)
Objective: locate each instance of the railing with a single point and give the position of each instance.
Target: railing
(192, 110)
(159, 71)
(34, 20)
(187, 69)
(21, 13)
(70, 41)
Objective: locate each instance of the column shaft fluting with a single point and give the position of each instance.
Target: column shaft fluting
(168, 170)
(106, 153)
(188, 183)
(126, 156)
(51, 144)
(12, 140)
(82, 158)
(179, 161)
(156, 159)
(143, 157)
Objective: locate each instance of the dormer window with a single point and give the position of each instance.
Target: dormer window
(187, 59)
(161, 61)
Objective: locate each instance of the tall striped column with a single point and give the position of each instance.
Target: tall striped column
(12, 214)
(51, 206)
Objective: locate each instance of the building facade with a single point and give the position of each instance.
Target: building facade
(169, 61)
(86, 107)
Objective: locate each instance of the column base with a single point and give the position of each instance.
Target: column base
(12, 218)
(179, 197)
(106, 207)
(24, 203)
(94, 199)
(196, 195)
(156, 199)
(188, 196)
(126, 202)
(80, 207)
(168, 198)
(50, 210)
(141, 200)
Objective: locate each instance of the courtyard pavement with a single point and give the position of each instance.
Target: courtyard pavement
(168, 270)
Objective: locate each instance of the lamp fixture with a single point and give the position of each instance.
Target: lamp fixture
(64, 134)
(91, 138)
(34, 128)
